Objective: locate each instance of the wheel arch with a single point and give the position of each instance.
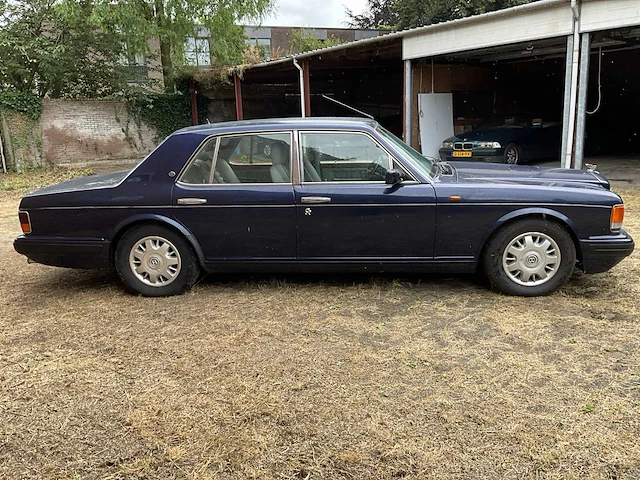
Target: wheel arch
(527, 213)
(161, 220)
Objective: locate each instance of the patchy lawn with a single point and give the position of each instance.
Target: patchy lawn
(295, 377)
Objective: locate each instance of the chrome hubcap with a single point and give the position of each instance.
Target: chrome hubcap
(531, 259)
(512, 155)
(155, 261)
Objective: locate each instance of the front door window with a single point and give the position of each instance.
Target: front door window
(342, 157)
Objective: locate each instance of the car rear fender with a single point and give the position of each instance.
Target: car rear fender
(539, 212)
(159, 219)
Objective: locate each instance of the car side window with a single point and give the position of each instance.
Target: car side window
(342, 157)
(254, 158)
(199, 171)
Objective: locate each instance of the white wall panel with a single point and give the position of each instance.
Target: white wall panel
(547, 20)
(607, 14)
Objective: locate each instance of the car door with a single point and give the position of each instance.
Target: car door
(236, 197)
(346, 212)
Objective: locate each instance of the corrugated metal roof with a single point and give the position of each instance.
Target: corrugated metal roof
(413, 31)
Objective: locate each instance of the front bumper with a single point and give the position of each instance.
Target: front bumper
(89, 253)
(601, 253)
(495, 155)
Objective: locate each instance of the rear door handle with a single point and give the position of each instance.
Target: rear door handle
(192, 201)
(315, 199)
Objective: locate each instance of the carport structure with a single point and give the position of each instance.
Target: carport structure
(538, 56)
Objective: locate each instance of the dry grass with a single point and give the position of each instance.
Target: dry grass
(313, 377)
(21, 183)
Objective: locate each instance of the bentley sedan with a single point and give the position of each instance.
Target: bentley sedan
(323, 194)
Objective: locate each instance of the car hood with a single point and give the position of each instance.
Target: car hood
(471, 172)
(83, 183)
(482, 134)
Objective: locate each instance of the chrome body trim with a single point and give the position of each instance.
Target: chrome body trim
(494, 204)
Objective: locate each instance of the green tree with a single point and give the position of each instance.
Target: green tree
(416, 13)
(173, 22)
(378, 14)
(57, 48)
(304, 41)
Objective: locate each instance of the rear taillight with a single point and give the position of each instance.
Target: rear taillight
(25, 222)
(617, 217)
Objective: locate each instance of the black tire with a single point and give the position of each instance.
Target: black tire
(173, 269)
(512, 154)
(516, 271)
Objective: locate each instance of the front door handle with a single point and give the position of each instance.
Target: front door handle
(192, 201)
(315, 199)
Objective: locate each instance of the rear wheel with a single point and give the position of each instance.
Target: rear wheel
(529, 257)
(512, 154)
(155, 261)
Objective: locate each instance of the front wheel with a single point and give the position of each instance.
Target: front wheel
(512, 154)
(529, 257)
(155, 261)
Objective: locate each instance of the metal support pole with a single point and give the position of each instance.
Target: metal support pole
(307, 86)
(567, 98)
(407, 105)
(573, 93)
(238, 94)
(194, 104)
(581, 120)
(302, 96)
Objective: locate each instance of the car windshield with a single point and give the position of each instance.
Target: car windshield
(503, 121)
(426, 165)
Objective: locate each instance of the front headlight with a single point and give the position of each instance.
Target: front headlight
(488, 145)
(447, 145)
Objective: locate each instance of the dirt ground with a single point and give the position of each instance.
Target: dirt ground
(310, 377)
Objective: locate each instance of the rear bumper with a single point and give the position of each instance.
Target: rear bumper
(599, 254)
(89, 253)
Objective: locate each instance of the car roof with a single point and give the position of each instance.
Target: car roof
(280, 124)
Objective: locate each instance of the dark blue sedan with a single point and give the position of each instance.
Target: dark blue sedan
(322, 194)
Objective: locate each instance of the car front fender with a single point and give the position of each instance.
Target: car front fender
(533, 212)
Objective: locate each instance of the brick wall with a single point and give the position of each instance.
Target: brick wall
(76, 132)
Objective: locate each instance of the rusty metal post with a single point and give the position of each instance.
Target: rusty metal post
(194, 103)
(238, 94)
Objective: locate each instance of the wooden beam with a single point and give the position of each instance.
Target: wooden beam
(238, 95)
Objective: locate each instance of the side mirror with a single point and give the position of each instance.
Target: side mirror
(392, 177)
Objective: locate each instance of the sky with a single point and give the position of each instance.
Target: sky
(312, 13)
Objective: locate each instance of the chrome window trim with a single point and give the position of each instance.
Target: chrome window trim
(392, 158)
(218, 138)
(259, 184)
(214, 160)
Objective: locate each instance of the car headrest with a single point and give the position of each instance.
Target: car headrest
(279, 154)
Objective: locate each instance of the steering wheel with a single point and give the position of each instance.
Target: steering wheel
(375, 172)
